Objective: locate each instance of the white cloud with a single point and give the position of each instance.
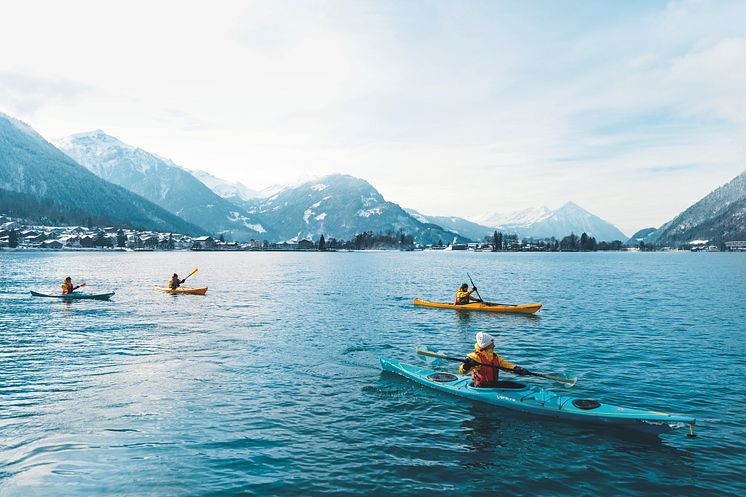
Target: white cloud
(452, 108)
(25, 94)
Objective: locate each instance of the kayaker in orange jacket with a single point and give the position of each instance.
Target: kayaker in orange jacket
(484, 353)
(175, 282)
(67, 286)
(463, 295)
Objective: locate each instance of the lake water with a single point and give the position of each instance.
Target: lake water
(270, 384)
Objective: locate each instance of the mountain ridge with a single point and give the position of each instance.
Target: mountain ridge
(542, 222)
(341, 206)
(30, 165)
(469, 229)
(718, 216)
(161, 181)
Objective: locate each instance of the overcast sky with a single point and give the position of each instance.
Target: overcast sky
(634, 110)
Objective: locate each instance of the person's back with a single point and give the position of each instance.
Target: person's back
(175, 282)
(463, 295)
(67, 286)
(485, 364)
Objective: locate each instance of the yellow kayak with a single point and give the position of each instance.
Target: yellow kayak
(183, 289)
(482, 306)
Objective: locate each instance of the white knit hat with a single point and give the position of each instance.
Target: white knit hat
(484, 340)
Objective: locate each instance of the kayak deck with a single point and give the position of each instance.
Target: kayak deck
(482, 306)
(183, 290)
(75, 296)
(536, 400)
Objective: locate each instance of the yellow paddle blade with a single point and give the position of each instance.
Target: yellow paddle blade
(193, 272)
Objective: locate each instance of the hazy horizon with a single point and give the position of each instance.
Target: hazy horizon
(634, 111)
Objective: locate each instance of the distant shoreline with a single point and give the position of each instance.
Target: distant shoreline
(69, 250)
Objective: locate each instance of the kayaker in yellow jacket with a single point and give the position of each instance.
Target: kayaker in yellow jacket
(68, 287)
(484, 353)
(175, 282)
(463, 295)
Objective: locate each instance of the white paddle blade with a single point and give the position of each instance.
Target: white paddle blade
(563, 379)
(426, 353)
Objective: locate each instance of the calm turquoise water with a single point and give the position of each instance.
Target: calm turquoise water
(270, 384)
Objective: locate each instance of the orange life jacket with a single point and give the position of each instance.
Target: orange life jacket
(67, 288)
(486, 377)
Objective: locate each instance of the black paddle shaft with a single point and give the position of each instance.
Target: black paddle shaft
(530, 373)
(474, 286)
(480, 297)
(458, 359)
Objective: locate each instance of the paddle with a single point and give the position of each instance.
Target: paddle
(474, 287)
(193, 272)
(566, 381)
(489, 304)
(79, 286)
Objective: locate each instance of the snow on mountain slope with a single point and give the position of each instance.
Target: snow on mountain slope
(523, 217)
(542, 222)
(226, 189)
(464, 227)
(160, 181)
(32, 166)
(719, 216)
(339, 206)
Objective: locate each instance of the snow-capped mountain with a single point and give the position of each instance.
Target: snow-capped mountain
(162, 182)
(719, 216)
(229, 190)
(464, 227)
(340, 206)
(525, 217)
(52, 183)
(543, 222)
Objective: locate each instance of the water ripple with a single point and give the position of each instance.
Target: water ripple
(270, 384)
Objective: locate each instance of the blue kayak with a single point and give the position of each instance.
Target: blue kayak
(75, 296)
(536, 400)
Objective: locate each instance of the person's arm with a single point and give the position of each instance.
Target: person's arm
(471, 297)
(469, 364)
(505, 364)
(512, 367)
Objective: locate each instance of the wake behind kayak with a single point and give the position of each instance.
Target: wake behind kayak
(533, 399)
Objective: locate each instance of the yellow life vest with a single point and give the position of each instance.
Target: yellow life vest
(462, 296)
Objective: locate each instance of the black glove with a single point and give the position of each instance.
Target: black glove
(470, 363)
(519, 371)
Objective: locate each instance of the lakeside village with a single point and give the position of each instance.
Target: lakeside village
(16, 234)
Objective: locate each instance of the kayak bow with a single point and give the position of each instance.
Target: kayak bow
(533, 399)
(482, 306)
(75, 296)
(183, 290)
